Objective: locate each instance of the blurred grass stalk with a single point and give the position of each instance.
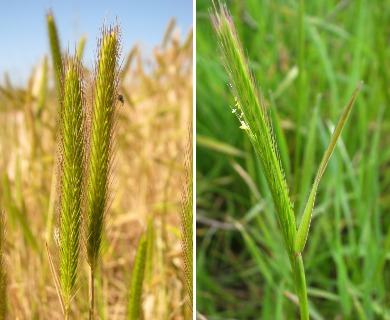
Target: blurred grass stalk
(251, 113)
(101, 144)
(137, 279)
(55, 52)
(3, 270)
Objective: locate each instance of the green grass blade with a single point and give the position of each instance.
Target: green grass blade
(218, 146)
(253, 250)
(137, 278)
(300, 115)
(304, 225)
(308, 161)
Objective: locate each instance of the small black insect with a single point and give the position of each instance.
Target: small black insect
(121, 99)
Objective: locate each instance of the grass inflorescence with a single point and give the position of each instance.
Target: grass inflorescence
(71, 179)
(252, 115)
(254, 120)
(100, 155)
(85, 159)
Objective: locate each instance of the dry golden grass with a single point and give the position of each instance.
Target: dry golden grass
(151, 137)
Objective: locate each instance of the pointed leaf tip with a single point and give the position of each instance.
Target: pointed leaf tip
(304, 226)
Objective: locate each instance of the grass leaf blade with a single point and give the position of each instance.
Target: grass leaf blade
(304, 225)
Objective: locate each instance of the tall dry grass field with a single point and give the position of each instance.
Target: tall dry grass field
(151, 139)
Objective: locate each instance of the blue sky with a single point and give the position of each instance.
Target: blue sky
(23, 33)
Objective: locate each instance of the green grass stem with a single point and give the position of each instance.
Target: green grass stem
(300, 285)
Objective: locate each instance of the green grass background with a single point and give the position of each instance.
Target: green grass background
(242, 266)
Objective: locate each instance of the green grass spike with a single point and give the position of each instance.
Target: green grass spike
(137, 278)
(71, 178)
(100, 154)
(254, 120)
(104, 104)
